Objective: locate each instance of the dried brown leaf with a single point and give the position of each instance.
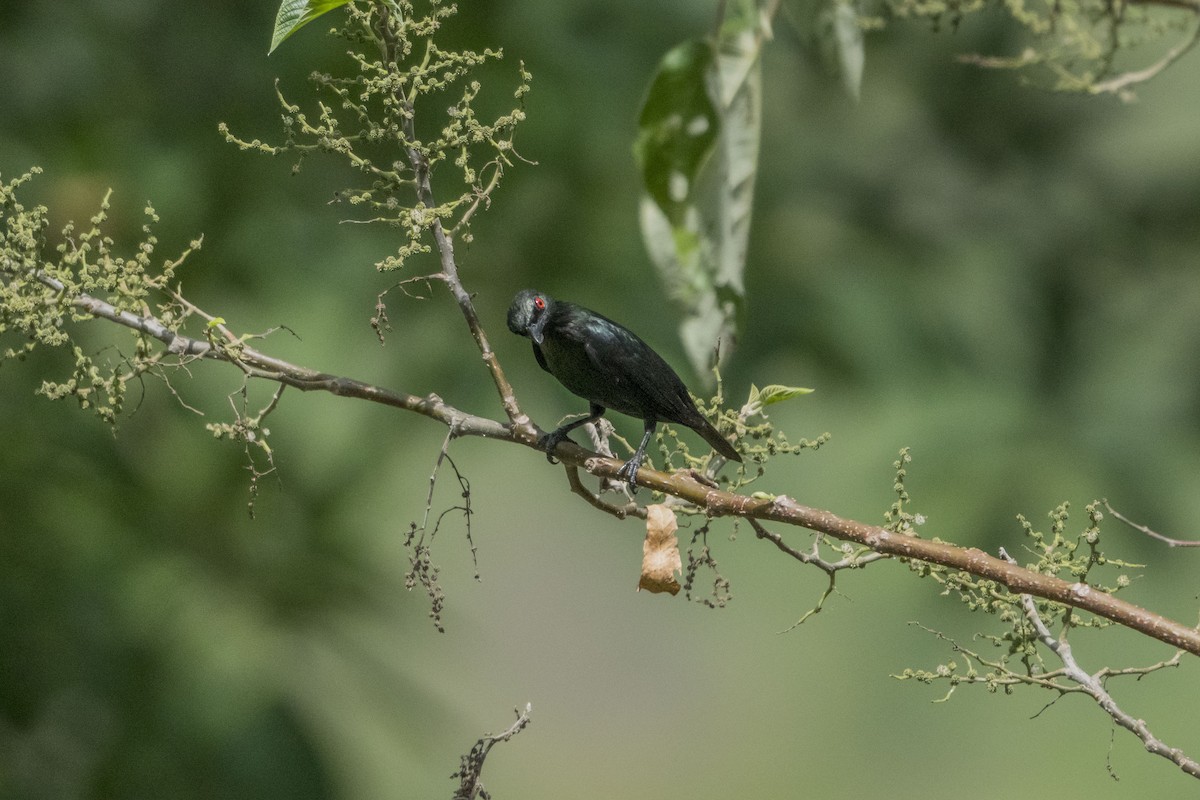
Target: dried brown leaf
(660, 551)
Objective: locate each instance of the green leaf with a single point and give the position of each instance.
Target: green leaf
(775, 394)
(295, 14)
(677, 127)
(698, 150)
(830, 31)
(842, 46)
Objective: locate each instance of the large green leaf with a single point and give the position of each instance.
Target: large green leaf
(698, 149)
(295, 14)
(677, 127)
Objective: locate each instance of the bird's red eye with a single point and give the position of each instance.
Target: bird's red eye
(539, 304)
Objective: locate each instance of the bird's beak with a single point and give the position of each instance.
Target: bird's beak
(535, 330)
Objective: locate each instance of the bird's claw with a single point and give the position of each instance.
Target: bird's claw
(628, 473)
(550, 443)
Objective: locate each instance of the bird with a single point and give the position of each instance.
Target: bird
(610, 366)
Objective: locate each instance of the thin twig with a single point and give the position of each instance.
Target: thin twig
(471, 765)
(1119, 84)
(620, 512)
(814, 557)
(445, 246)
(1151, 533)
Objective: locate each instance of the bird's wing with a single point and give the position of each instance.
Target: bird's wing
(642, 374)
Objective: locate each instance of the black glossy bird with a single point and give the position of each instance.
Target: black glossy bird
(609, 366)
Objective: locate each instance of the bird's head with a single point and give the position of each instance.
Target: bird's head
(528, 314)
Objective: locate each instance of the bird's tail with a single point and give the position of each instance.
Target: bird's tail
(718, 442)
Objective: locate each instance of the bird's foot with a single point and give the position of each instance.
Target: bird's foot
(550, 443)
(628, 471)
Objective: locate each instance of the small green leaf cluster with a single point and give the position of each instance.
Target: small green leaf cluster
(27, 307)
(755, 436)
(1056, 554)
(994, 674)
(758, 440)
(248, 429)
(45, 286)
(372, 124)
(898, 518)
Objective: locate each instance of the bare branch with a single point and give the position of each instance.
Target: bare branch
(814, 557)
(1151, 533)
(1093, 687)
(620, 512)
(1120, 84)
(783, 509)
(469, 786)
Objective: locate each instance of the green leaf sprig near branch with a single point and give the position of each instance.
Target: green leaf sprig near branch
(1030, 653)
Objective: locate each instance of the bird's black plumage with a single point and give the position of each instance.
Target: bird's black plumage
(609, 366)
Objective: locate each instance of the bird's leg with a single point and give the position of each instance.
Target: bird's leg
(551, 440)
(629, 469)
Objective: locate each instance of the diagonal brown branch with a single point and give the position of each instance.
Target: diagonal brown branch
(715, 502)
(783, 509)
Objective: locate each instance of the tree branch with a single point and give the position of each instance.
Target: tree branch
(783, 509)
(445, 247)
(260, 365)
(1093, 687)
(713, 501)
(1120, 83)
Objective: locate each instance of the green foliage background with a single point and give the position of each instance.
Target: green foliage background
(1004, 279)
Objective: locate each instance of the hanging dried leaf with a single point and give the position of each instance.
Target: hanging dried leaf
(660, 551)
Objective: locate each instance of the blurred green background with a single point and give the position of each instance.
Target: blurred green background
(1004, 279)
